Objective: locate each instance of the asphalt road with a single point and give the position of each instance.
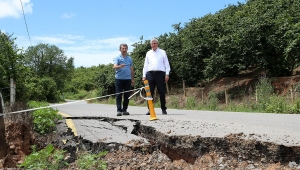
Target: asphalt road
(278, 128)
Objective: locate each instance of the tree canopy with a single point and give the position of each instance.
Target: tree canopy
(40, 72)
(263, 34)
(258, 33)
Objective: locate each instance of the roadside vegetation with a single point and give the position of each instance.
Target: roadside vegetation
(91, 161)
(262, 34)
(262, 101)
(222, 44)
(47, 158)
(44, 122)
(52, 158)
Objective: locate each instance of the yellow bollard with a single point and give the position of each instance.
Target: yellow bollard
(150, 103)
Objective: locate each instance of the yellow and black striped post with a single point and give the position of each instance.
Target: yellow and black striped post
(150, 102)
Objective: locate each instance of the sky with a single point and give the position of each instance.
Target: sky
(91, 31)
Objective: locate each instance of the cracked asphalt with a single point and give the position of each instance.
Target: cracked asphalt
(282, 129)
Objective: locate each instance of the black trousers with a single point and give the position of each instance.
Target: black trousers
(157, 79)
(122, 85)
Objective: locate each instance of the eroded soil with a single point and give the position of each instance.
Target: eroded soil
(195, 152)
(161, 152)
(19, 138)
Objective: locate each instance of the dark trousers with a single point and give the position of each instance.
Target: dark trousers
(120, 86)
(157, 79)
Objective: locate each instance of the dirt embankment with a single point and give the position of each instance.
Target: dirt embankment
(244, 84)
(164, 151)
(19, 138)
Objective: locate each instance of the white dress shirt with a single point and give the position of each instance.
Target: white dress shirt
(156, 61)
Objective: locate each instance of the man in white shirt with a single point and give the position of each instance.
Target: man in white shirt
(156, 70)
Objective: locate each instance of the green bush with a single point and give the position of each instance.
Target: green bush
(111, 100)
(264, 90)
(190, 102)
(174, 102)
(91, 161)
(213, 101)
(43, 119)
(81, 95)
(276, 104)
(47, 158)
(42, 89)
(295, 108)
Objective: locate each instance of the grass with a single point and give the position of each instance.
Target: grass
(47, 158)
(44, 120)
(52, 158)
(268, 103)
(261, 100)
(88, 160)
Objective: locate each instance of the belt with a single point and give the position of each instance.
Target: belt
(156, 71)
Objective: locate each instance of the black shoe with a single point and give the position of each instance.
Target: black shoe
(148, 113)
(125, 113)
(164, 112)
(119, 113)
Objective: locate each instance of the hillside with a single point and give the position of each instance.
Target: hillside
(244, 84)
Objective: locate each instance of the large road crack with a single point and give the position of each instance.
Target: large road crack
(186, 147)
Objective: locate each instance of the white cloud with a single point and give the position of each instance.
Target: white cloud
(86, 52)
(53, 40)
(99, 51)
(67, 16)
(13, 8)
(88, 59)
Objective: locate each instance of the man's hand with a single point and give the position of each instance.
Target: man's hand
(166, 78)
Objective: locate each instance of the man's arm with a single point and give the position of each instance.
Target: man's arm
(167, 64)
(116, 66)
(132, 75)
(132, 72)
(145, 68)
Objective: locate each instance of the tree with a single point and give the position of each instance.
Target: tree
(48, 64)
(105, 79)
(11, 65)
(138, 56)
(49, 61)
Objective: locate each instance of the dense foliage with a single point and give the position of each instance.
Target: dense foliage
(258, 33)
(44, 120)
(47, 158)
(40, 72)
(11, 65)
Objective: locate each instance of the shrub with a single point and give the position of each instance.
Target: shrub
(47, 158)
(295, 108)
(91, 161)
(213, 101)
(43, 119)
(276, 104)
(264, 90)
(190, 102)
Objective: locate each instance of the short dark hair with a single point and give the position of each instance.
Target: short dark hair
(123, 44)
